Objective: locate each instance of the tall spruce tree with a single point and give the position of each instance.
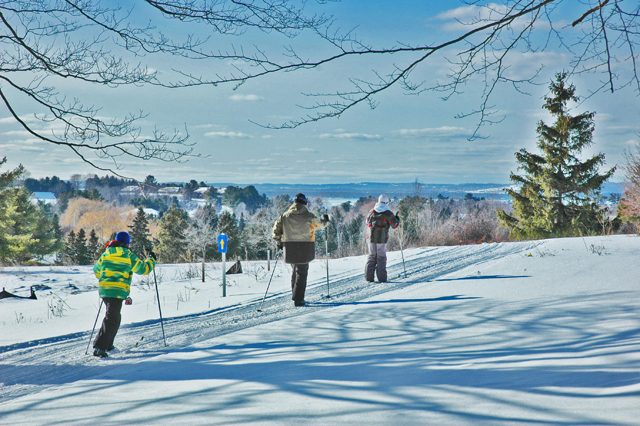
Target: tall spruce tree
(26, 230)
(93, 246)
(559, 192)
(140, 235)
(172, 240)
(228, 225)
(83, 256)
(69, 255)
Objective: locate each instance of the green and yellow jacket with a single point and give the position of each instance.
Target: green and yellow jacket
(115, 269)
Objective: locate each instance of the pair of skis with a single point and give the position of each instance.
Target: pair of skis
(159, 310)
(326, 254)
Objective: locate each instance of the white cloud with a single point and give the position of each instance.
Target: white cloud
(466, 18)
(207, 126)
(252, 98)
(17, 133)
(25, 118)
(306, 150)
(228, 135)
(433, 132)
(345, 135)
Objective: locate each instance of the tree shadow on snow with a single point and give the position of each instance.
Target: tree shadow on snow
(514, 355)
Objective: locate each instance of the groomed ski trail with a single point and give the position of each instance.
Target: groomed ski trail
(30, 366)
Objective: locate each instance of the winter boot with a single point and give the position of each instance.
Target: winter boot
(298, 302)
(100, 353)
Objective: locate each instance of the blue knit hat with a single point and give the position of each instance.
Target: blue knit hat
(123, 237)
(300, 198)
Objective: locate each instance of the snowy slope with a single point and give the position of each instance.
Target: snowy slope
(540, 332)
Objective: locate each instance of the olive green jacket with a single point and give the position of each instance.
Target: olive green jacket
(295, 229)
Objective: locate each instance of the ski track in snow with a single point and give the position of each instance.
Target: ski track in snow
(30, 366)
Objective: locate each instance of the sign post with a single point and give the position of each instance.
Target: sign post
(222, 248)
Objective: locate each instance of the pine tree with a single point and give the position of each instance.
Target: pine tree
(27, 230)
(559, 192)
(46, 234)
(140, 235)
(69, 255)
(172, 241)
(60, 242)
(228, 225)
(94, 247)
(83, 256)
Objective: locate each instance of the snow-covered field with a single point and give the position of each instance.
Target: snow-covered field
(544, 332)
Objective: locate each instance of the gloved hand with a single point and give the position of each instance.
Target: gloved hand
(325, 217)
(279, 245)
(397, 218)
(153, 255)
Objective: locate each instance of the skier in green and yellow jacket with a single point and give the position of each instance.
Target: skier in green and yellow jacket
(115, 269)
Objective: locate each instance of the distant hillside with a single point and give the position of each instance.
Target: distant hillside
(356, 190)
(373, 189)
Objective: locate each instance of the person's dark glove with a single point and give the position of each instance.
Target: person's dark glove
(153, 255)
(279, 245)
(325, 217)
(397, 218)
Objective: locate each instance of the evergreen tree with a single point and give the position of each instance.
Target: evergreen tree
(140, 235)
(228, 225)
(60, 242)
(83, 256)
(93, 246)
(172, 241)
(69, 255)
(26, 229)
(46, 237)
(559, 193)
(234, 195)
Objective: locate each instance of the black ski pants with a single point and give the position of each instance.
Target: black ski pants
(110, 324)
(299, 281)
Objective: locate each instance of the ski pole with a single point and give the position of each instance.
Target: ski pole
(159, 310)
(94, 327)
(402, 253)
(273, 272)
(326, 255)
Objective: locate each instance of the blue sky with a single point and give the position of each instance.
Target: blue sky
(404, 138)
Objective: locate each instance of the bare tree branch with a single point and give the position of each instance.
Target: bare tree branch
(44, 42)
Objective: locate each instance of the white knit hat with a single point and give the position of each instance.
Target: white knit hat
(383, 199)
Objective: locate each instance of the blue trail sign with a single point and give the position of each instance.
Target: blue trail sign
(222, 243)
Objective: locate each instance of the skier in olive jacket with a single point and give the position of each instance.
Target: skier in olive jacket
(294, 232)
(115, 269)
(379, 220)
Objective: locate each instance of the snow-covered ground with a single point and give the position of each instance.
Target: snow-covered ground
(543, 332)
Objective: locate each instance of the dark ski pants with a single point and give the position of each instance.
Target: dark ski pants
(110, 324)
(376, 262)
(299, 281)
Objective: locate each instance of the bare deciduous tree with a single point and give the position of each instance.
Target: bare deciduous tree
(629, 206)
(601, 37)
(201, 234)
(46, 42)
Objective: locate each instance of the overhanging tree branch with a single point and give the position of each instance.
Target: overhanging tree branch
(46, 41)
